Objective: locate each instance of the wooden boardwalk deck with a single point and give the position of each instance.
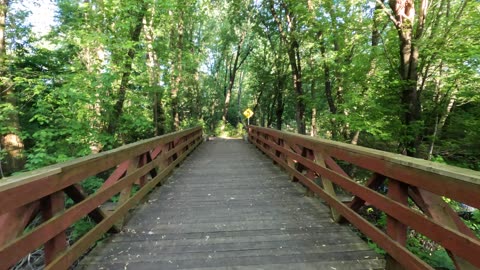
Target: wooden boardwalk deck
(229, 207)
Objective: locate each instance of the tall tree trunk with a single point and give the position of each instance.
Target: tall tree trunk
(281, 79)
(313, 123)
(440, 122)
(153, 78)
(239, 97)
(328, 89)
(138, 12)
(404, 16)
(287, 35)
(177, 68)
(375, 32)
(232, 74)
(295, 64)
(10, 140)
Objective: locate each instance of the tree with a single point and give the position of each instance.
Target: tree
(287, 27)
(137, 11)
(10, 140)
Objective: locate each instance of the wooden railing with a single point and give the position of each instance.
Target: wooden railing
(23, 197)
(424, 182)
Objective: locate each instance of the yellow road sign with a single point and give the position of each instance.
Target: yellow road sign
(248, 113)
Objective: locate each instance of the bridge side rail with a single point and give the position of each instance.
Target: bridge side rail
(42, 192)
(424, 182)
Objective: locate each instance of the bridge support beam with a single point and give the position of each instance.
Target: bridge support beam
(51, 206)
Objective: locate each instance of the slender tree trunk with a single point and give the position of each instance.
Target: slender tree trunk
(328, 90)
(232, 71)
(327, 80)
(177, 69)
(239, 97)
(375, 32)
(294, 57)
(440, 122)
(287, 35)
(228, 96)
(404, 13)
(153, 79)
(281, 79)
(313, 126)
(10, 141)
(139, 13)
(313, 123)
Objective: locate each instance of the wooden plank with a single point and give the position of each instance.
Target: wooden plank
(157, 151)
(74, 252)
(397, 191)
(77, 194)
(14, 222)
(397, 251)
(148, 158)
(207, 221)
(457, 183)
(373, 183)
(289, 161)
(50, 207)
(437, 232)
(327, 184)
(437, 209)
(15, 250)
(41, 183)
(117, 174)
(332, 164)
(127, 190)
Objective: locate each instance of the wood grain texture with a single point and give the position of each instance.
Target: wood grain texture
(453, 182)
(51, 233)
(229, 207)
(43, 182)
(451, 239)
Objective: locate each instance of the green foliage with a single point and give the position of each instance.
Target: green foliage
(429, 252)
(92, 184)
(222, 130)
(81, 227)
(376, 248)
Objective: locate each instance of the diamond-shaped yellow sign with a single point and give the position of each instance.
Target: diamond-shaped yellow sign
(248, 113)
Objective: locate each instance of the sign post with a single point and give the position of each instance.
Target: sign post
(248, 113)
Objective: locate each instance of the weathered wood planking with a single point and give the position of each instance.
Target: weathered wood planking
(229, 207)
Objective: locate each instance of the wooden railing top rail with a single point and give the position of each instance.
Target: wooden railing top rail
(453, 182)
(144, 164)
(44, 181)
(310, 160)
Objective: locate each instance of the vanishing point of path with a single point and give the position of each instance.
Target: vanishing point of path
(229, 207)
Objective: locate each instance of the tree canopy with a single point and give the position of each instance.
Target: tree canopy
(401, 76)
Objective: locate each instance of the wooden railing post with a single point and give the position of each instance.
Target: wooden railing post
(127, 191)
(290, 162)
(13, 223)
(51, 206)
(278, 142)
(327, 184)
(397, 191)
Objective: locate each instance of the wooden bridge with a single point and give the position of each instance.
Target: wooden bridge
(229, 207)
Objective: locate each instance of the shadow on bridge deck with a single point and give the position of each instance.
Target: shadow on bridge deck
(229, 207)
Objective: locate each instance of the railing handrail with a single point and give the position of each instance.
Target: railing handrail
(49, 170)
(446, 174)
(458, 173)
(43, 191)
(21, 182)
(425, 182)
